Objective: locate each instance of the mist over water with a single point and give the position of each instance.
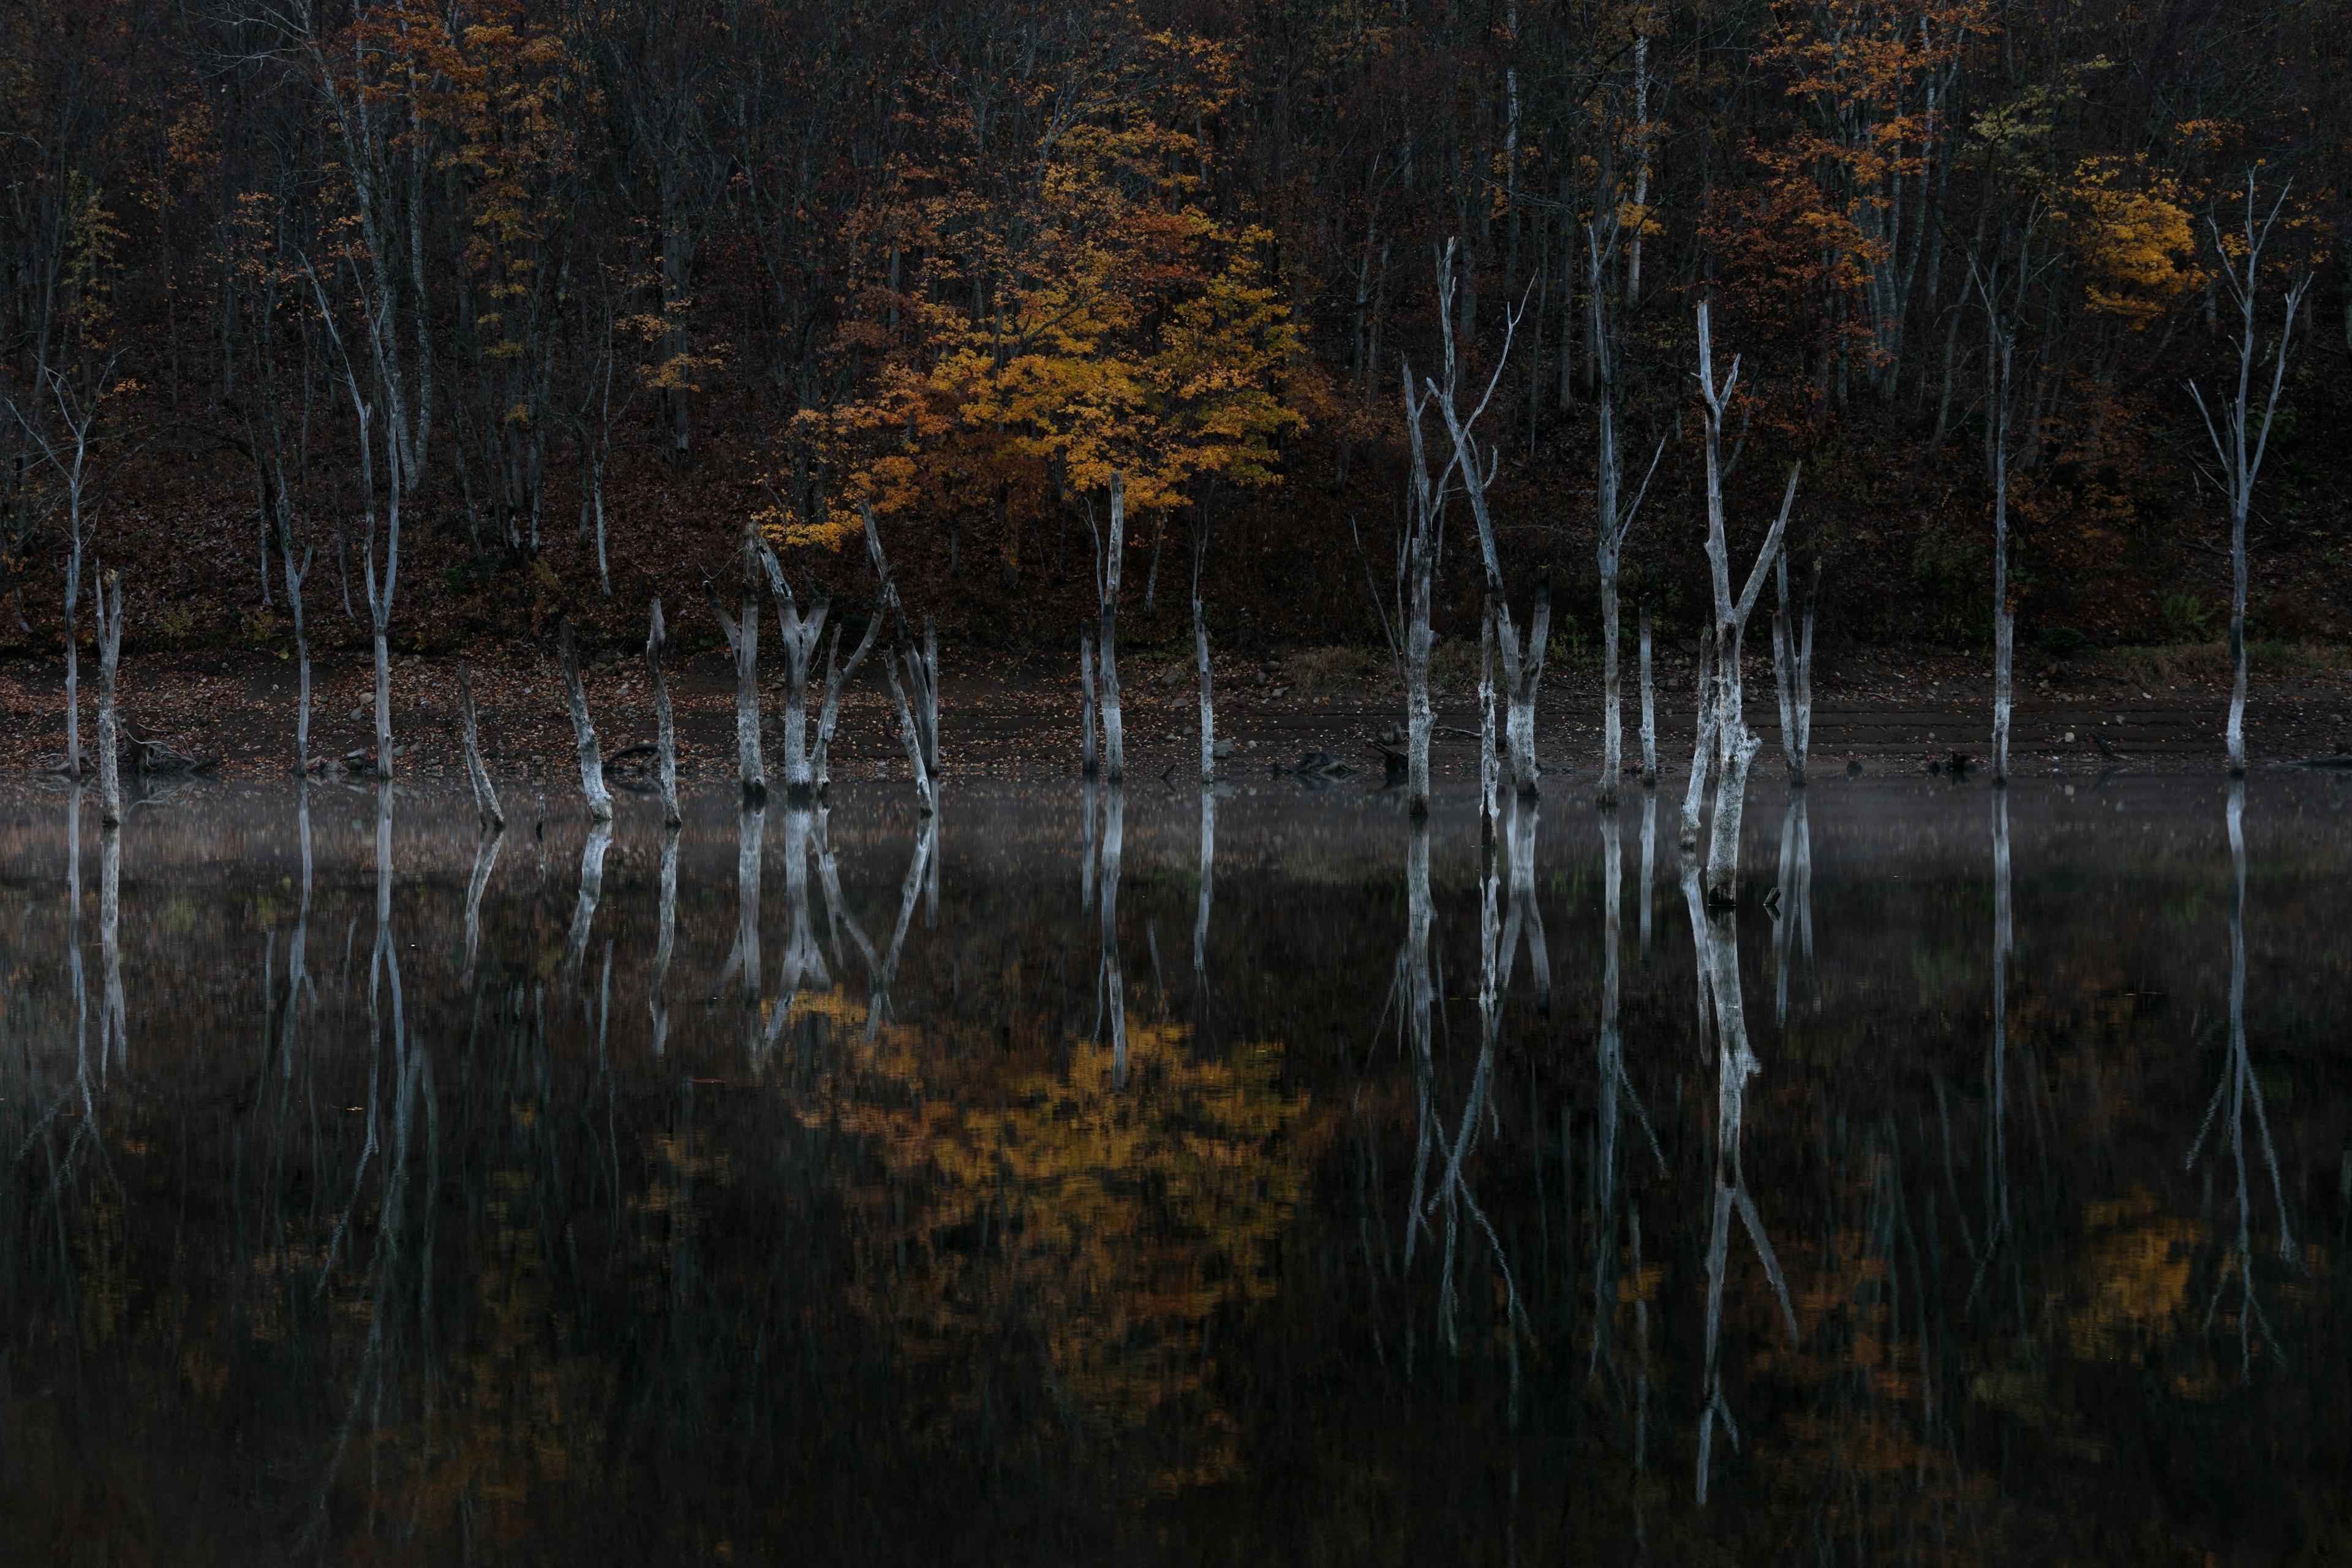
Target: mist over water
(848, 1185)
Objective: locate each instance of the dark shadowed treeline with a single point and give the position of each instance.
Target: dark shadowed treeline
(573, 292)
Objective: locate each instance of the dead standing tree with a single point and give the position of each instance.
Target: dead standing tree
(486, 795)
(383, 358)
(665, 732)
(743, 641)
(917, 695)
(1735, 745)
(584, 728)
(2239, 449)
(110, 654)
(1792, 672)
(1108, 555)
(799, 636)
(1521, 672)
(70, 455)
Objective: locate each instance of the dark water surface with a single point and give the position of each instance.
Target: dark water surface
(999, 1194)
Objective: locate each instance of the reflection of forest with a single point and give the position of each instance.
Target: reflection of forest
(330, 1258)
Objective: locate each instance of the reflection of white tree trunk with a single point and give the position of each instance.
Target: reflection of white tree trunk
(2239, 1092)
(1997, 1056)
(1208, 882)
(486, 859)
(750, 832)
(1735, 1064)
(1792, 923)
(113, 1024)
(1114, 981)
(804, 956)
(664, 940)
(592, 891)
(1649, 859)
(485, 795)
(909, 892)
(1649, 708)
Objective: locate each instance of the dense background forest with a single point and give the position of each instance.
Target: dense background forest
(577, 289)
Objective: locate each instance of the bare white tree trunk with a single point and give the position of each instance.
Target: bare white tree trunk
(918, 698)
(910, 735)
(294, 579)
(1208, 698)
(1703, 745)
(1490, 774)
(743, 641)
(1521, 673)
(1111, 554)
(664, 726)
(1416, 572)
(591, 755)
(1649, 708)
(109, 653)
(1089, 764)
(1792, 675)
(836, 681)
(73, 664)
(799, 636)
(485, 795)
(2237, 441)
(1736, 745)
(113, 1020)
(486, 859)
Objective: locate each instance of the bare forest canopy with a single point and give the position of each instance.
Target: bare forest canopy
(581, 290)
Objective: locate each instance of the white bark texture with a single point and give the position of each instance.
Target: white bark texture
(1114, 980)
(584, 728)
(799, 635)
(109, 653)
(1089, 764)
(1736, 745)
(837, 682)
(665, 725)
(1106, 573)
(743, 641)
(485, 795)
(1208, 696)
(1649, 707)
(1703, 744)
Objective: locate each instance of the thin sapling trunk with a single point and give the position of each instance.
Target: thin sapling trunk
(1649, 707)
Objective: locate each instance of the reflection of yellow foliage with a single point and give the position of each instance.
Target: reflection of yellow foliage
(1042, 1204)
(2136, 1271)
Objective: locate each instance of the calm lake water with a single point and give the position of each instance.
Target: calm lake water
(830, 1188)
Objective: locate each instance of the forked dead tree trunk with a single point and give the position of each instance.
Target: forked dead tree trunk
(1521, 673)
(1416, 574)
(1736, 745)
(836, 681)
(1608, 552)
(591, 755)
(743, 641)
(799, 634)
(109, 653)
(2237, 441)
(917, 697)
(295, 576)
(485, 795)
(665, 728)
